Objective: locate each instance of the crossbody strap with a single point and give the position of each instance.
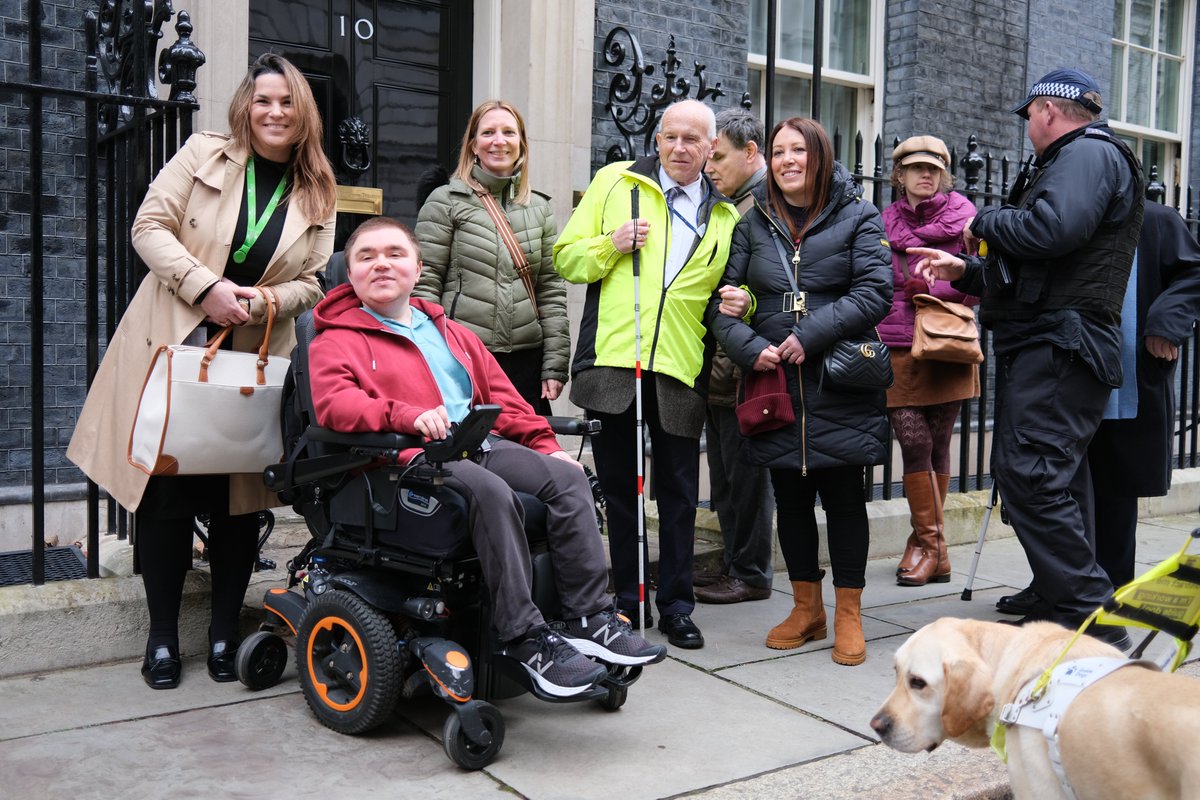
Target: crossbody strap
(799, 304)
(520, 261)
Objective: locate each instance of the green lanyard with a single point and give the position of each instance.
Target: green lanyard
(254, 225)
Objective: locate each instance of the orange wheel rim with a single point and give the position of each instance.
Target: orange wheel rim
(320, 677)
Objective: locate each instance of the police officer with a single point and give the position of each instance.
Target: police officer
(1059, 254)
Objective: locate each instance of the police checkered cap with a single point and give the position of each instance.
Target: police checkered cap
(1070, 84)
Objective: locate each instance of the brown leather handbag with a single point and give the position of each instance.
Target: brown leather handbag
(945, 331)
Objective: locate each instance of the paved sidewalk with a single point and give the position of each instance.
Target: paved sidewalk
(733, 720)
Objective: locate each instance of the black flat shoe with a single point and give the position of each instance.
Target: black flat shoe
(161, 667)
(681, 631)
(1023, 602)
(633, 617)
(222, 656)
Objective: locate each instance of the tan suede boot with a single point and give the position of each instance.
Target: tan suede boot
(806, 621)
(849, 647)
(925, 502)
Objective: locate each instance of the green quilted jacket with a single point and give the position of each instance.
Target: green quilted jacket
(468, 270)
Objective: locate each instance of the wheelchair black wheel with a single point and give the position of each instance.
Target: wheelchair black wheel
(616, 697)
(348, 662)
(261, 659)
(465, 753)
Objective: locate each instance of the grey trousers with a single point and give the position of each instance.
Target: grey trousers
(497, 531)
(741, 497)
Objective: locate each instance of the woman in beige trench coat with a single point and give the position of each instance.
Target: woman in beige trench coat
(190, 231)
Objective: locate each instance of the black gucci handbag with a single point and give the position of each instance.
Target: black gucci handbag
(861, 364)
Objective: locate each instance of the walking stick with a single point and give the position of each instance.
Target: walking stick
(987, 516)
(637, 402)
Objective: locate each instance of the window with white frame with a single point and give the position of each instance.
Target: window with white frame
(1148, 105)
(850, 66)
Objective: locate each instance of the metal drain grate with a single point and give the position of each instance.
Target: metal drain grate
(62, 564)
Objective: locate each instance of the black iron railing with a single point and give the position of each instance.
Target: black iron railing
(130, 134)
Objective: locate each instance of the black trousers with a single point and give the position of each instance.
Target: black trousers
(524, 369)
(163, 531)
(676, 481)
(1049, 409)
(847, 529)
(741, 497)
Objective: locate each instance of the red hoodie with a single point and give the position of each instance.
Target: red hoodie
(366, 378)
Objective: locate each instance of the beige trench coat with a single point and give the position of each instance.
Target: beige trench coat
(183, 232)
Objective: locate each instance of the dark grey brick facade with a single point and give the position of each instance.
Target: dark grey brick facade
(713, 32)
(63, 186)
(955, 68)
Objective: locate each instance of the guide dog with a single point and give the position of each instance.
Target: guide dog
(1132, 734)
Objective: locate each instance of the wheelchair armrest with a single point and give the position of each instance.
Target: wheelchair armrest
(573, 426)
(367, 440)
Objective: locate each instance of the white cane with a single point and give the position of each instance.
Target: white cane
(637, 401)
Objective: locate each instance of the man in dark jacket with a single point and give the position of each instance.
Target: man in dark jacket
(1130, 456)
(741, 492)
(1060, 256)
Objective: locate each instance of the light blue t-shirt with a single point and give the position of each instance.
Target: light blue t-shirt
(452, 378)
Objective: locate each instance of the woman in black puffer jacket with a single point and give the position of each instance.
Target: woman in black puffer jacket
(815, 224)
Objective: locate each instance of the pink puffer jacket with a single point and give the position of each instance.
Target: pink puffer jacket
(936, 222)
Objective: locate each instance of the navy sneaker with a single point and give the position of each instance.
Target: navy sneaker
(609, 637)
(554, 665)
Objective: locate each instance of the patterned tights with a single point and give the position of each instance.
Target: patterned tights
(924, 435)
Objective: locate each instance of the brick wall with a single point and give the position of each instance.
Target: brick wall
(955, 68)
(713, 32)
(62, 270)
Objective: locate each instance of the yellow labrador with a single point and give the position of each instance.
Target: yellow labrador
(1134, 734)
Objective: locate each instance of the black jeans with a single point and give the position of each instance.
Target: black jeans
(848, 532)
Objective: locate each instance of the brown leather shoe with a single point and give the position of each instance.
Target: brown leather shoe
(707, 578)
(731, 590)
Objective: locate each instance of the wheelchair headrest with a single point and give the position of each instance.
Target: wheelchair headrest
(335, 271)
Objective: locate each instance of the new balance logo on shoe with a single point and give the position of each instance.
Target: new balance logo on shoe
(607, 636)
(555, 666)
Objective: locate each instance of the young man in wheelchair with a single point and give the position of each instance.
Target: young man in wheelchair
(382, 361)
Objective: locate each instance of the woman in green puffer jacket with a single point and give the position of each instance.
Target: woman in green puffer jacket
(470, 271)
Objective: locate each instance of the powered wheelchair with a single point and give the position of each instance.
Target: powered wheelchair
(386, 601)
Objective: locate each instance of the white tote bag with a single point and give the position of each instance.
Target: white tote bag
(207, 411)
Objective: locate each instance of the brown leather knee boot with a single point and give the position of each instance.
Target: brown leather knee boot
(805, 622)
(924, 500)
(912, 548)
(849, 647)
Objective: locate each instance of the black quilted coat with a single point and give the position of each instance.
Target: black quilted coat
(845, 267)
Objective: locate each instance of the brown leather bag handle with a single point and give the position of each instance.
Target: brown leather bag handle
(271, 299)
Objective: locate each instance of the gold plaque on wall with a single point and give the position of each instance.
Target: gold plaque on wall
(359, 200)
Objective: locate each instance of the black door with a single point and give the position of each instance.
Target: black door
(402, 67)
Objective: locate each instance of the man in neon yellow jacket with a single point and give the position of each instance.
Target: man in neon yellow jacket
(683, 230)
